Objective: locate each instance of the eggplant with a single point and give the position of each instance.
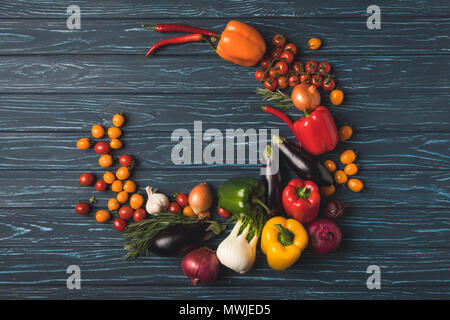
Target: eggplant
(180, 238)
(273, 182)
(302, 163)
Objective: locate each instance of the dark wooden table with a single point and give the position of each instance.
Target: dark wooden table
(55, 83)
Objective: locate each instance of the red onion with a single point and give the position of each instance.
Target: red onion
(201, 265)
(325, 235)
(334, 209)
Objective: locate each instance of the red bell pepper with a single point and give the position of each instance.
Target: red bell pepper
(301, 200)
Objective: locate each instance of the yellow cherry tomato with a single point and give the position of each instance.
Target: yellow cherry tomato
(355, 185)
(105, 161)
(102, 216)
(328, 191)
(340, 177)
(122, 196)
(336, 97)
(113, 204)
(351, 169)
(123, 173)
(345, 133)
(114, 132)
(84, 143)
(109, 177)
(129, 186)
(188, 212)
(314, 43)
(118, 120)
(97, 131)
(136, 201)
(330, 165)
(117, 186)
(348, 156)
(115, 144)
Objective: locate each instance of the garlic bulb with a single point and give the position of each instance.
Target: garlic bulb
(235, 252)
(156, 202)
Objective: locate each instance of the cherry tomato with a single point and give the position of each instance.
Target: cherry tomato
(351, 169)
(328, 84)
(129, 186)
(276, 53)
(316, 80)
(101, 185)
(279, 40)
(119, 224)
(298, 67)
(259, 74)
(82, 208)
(115, 144)
(336, 97)
(348, 156)
(345, 133)
(139, 215)
(291, 48)
(84, 143)
(102, 147)
(330, 165)
(113, 204)
(270, 84)
(174, 207)
(126, 160)
(223, 213)
(282, 67)
(305, 78)
(136, 201)
(182, 199)
(355, 185)
(293, 80)
(114, 132)
(340, 177)
(102, 216)
(328, 191)
(123, 173)
(97, 131)
(188, 212)
(117, 186)
(283, 82)
(314, 43)
(265, 63)
(109, 177)
(324, 67)
(311, 66)
(126, 213)
(105, 161)
(273, 73)
(86, 179)
(122, 196)
(118, 120)
(287, 56)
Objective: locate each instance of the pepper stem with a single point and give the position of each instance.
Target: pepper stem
(303, 193)
(262, 204)
(209, 43)
(306, 113)
(285, 237)
(147, 27)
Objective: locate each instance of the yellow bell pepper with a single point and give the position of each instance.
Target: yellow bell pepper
(282, 241)
(241, 44)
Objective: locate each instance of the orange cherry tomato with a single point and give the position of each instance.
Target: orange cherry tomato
(355, 185)
(314, 43)
(114, 132)
(118, 120)
(109, 177)
(105, 161)
(84, 143)
(351, 169)
(188, 212)
(97, 131)
(122, 196)
(136, 201)
(129, 186)
(115, 144)
(345, 133)
(117, 186)
(328, 191)
(340, 177)
(123, 173)
(330, 165)
(113, 204)
(348, 156)
(102, 216)
(336, 97)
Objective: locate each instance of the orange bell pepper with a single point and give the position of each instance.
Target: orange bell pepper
(241, 44)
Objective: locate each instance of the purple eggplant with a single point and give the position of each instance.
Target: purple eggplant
(273, 181)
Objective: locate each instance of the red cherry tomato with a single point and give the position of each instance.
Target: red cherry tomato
(126, 160)
(324, 67)
(276, 53)
(305, 78)
(265, 63)
(182, 199)
(101, 185)
(298, 67)
(119, 224)
(328, 84)
(139, 215)
(82, 208)
(270, 84)
(86, 179)
(282, 67)
(125, 213)
(287, 56)
(273, 73)
(278, 40)
(223, 213)
(317, 80)
(311, 66)
(102, 148)
(291, 48)
(259, 75)
(293, 80)
(174, 207)
(283, 82)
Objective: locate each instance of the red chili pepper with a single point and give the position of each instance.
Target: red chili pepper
(176, 40)
(301, 200)
(282, 116)
(175, 27)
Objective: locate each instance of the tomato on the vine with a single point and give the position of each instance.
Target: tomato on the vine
(273, 73)
(291, 48)
(259, 74)
(328, 84)
(82, 208)
(324, 67)
(270, 84)
(305, 78)
(101, 185)
(265, 63)
(293, 80)
(311, 66)
(298, 67)
(276, 53)
(279, 40)
(86, 179)
(282, 67)
(182, 199)
(126, 160)
(102, 147)
(283, 82)
(287, 56)
(316, 80)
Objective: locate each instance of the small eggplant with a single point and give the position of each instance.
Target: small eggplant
(302, 163)
(180, 238)
(273, 182)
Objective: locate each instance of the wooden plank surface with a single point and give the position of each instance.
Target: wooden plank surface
(56, 83)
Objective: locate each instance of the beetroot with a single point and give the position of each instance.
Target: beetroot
(325, 235)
